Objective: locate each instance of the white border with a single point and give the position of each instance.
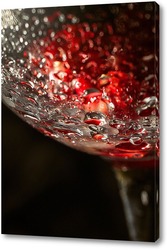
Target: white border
(8, 4)
(43, 243)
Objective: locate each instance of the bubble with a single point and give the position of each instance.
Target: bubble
(149, 102)
(26, 17)
(21, 40)
(40, 32)
(41, 11)
(42, 42)
(26, 25)
(52, 34)
(45, 19)
(33, 11)
(82, 7)
(97, 129)
(111, 106)
(31, 118)
(74, 20)
(150, 122)
(130, 6)
(103, 80)
(147, 16)
(24, 32)
(17, 27)
(95, 118)
(148, 57)
(112, 131)
(9, 101)
(135, 140)
(117, 123)
(36, 22)
(62, 18)
(149, 6)
(39, 75)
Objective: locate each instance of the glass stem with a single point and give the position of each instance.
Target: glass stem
(138, 189)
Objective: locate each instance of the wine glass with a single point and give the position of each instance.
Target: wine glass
(87, 76)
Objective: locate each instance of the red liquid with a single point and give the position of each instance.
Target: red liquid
(106, 76)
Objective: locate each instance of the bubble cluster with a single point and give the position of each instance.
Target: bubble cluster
(88, 83)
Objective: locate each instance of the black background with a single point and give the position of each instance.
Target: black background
(49, 189)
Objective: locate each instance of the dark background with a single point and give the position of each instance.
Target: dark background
(49, 189)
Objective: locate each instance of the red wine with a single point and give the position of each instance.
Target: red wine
(95, 88)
